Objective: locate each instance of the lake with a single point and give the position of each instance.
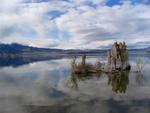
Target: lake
(50, 87)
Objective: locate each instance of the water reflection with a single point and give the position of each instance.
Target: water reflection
(140, 78)
(119, 81)
(82, 72)
(140, 65)
(75, 78)
(41, 87)
(18, 61)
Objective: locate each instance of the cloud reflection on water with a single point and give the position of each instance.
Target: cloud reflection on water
(46, 84)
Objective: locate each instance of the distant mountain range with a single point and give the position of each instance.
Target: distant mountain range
(15, 48)
(18, 49)
(140, 51)
(16, 54)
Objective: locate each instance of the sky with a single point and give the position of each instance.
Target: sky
(75, 24)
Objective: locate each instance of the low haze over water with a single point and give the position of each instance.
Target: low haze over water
(49, 87)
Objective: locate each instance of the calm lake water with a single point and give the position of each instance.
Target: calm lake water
(49, 87)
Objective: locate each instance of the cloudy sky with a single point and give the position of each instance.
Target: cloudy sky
(78, 24)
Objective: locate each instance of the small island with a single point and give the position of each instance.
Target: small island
(117, 60)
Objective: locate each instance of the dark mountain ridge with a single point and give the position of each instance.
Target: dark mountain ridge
(16, 48)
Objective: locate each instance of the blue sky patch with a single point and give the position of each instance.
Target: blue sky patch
(54, 14)
(113, 2)
(119, 2)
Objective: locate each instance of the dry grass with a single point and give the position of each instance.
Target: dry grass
(140, 64)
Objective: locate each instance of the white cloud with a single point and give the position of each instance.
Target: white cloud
(9, 6)
(19, 26)
(89, 27)
(107, 23)
(84, 2)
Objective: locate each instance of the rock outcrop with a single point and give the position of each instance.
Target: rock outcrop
(117, 61)
(118, 57)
